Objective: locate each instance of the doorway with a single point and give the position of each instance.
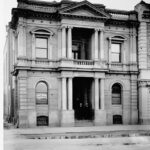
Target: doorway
(82, 98)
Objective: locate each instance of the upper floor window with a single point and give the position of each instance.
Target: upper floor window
(41, 93)
(40, 44)
(116, 52)
(41, 47)
(116, 94)
(117, 49)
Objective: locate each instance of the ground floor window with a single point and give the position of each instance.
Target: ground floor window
(117, 119)
(42, 121)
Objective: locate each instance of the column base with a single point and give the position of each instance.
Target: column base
(100, 117)
(67, 118)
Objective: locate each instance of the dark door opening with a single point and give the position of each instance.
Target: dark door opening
(117, 119)
(42, 121)
(82, 100)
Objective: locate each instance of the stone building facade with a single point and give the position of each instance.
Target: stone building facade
(76, 63)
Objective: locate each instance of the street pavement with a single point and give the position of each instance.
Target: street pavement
(13, 141)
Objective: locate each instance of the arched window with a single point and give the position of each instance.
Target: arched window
(116, 94)
(117, 119)
(42, 121)
(41, 93)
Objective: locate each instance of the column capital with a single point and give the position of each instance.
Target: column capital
(63, 27)
(70, 27)
(102, 30)
(96, 29)
(109, 38)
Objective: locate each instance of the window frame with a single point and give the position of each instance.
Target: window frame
(41, 37)
(117, 40)
(38, 102)
(120, 95)
(42, 33)
(119, 53)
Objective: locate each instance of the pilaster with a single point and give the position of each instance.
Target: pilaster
(63, 42)
(96, 44)
(142, 45)
(22, 99)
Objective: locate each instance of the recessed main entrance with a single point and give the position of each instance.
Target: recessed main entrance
(82, 98)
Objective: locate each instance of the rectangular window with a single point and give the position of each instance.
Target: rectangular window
(41, 47)
(116, 52)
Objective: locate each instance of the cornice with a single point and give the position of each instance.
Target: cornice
(29, 14)
(118, 22)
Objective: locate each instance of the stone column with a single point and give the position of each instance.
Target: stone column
(70, 42)
(102, 45)
(33, 47)
(63, 42)
(123, 55)
(102, 94)
(131, 48)
(96, 94)
(67, 114)
(142, 45)
(21, 39)
(100, 114)
(134, 59)
(109, 52)
(134, 98)
(70, 93)
(22, 99)
(144, 112)
(64, 92)
(96, 44)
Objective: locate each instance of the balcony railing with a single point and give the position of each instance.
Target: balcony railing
(84, 62)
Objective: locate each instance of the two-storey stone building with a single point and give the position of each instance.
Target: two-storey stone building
(76, 63)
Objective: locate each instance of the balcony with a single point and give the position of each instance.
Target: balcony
(71, 64)
(60, 64)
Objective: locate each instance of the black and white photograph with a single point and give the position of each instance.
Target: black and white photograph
(75, 74)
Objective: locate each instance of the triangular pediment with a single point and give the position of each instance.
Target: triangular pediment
(84, 8)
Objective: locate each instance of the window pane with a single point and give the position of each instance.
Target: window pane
(115, 57)
(116, 94)
(115, 48)
(41, 53)
(41, 93)
(41, 87)
(41, 98)
(41, 42)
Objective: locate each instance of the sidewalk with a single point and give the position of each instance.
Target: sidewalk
(43, 130)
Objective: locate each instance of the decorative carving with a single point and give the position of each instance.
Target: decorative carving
(144, 83)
